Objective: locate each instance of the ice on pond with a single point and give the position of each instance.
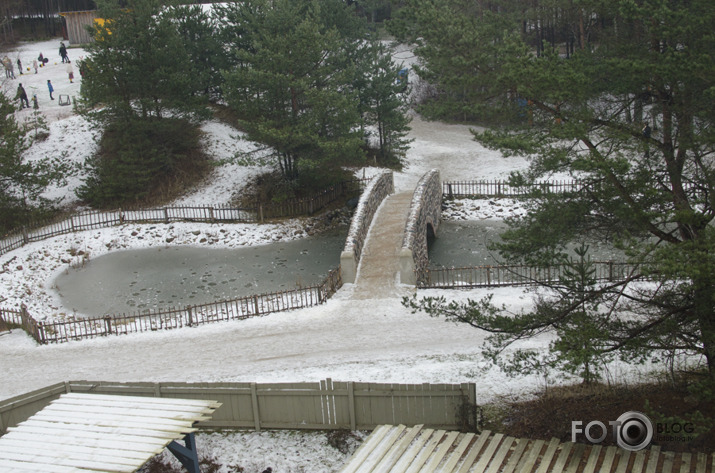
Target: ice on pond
(137, 280)
(466, 243)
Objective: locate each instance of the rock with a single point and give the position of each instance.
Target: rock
(170, 239)
(19, 268)
(196, 232)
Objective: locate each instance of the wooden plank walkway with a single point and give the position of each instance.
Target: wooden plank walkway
(399, 449)
(94, 432)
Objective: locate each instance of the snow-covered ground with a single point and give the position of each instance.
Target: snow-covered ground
(344, 339)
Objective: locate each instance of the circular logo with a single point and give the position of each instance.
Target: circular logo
(634, 431)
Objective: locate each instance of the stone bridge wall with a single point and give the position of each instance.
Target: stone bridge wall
(380, 187)
(425, 210)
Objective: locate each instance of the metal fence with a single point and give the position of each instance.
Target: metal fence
(207, 214)
(459, 189)
(233, 309)
(319, 405)
(515, 275)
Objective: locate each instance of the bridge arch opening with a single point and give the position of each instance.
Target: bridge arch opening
(431, 235)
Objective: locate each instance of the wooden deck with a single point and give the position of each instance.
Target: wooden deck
(400, 449)
(99, 433)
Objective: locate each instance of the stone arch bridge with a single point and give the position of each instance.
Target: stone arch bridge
(387, 242)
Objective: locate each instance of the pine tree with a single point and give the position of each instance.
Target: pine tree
(383, 103)
(291, 82)
(647, 190)
(22, 182)
(145, 84)
(139, 65)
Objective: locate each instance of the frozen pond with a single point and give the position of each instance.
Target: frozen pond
(464, 244)
(136, 280)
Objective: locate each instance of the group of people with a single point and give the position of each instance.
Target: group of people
(41, 61)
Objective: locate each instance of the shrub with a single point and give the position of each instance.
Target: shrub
(143, 161)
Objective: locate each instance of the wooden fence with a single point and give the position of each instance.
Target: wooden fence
(319, 405)
(459, 189)
(162, 319)
(206, 214)
(514, 275)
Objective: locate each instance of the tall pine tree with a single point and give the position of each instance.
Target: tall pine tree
(631, 117)
(290, 85)
(22, 182)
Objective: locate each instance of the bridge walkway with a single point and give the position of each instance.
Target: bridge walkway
(380, 265)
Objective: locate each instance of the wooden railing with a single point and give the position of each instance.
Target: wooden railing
(239, 308)
(514, 275)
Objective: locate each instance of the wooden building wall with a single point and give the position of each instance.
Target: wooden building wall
(76, 23)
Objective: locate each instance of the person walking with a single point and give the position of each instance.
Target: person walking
(34, 65)
(10, 69)
(19, 65)
(63, 53)
(6, 64)
(70, 71)
(50, 88)
(22, 95)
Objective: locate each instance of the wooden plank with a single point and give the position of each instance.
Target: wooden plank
(653, 459)
(624, 461)
(498, 460)
(379, 452)
(528, 461)
(169, 401)
(668, 458)
(593, 459)
(135, 402)
(72, 450)
(427, 450)
(516, 456)
(414, 450)
(486, 457)
(701, 463)
(94, 462)
(398, 449)
(685, 460)
(457, 454)
(115, 421)
(70, 428)
(366, 448)
(561, 460)
(576, 457)
(159, 410)
(639, 462)
(439, 455)
(143, 412)
(546, 459)
(124, 442)
(474, 451)
(608, 459)
(17, 466)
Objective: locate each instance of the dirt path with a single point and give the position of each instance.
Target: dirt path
(377, 275)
